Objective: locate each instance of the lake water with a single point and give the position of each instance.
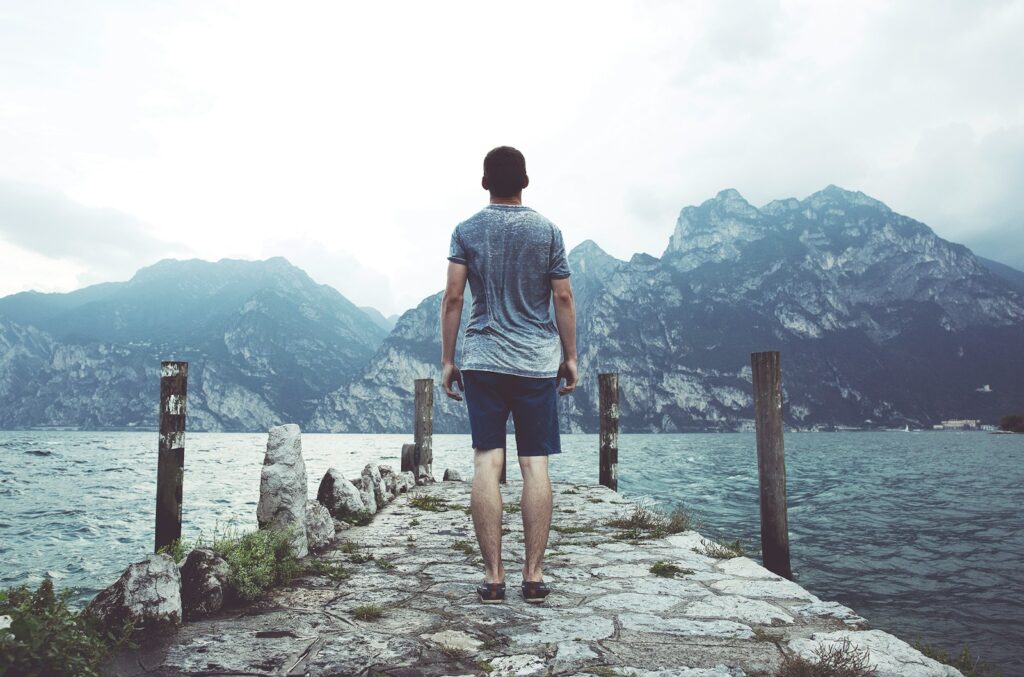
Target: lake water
(921, 533)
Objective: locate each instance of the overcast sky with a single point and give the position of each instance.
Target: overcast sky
(348, 137)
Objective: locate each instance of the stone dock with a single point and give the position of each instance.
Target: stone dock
(608, 614)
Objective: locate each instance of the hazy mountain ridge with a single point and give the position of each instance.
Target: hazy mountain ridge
(880, 322)
(264, 343)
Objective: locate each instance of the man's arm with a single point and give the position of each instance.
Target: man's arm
(451, 317)
(565, 318)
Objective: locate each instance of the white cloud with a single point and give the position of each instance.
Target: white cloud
(357, 131)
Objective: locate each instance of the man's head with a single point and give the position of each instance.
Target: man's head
(505, 172)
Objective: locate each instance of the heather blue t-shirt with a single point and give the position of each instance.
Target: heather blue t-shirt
(512, 253)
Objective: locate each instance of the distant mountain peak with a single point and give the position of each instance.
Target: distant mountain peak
(832, 194)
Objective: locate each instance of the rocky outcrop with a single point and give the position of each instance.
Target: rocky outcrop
(387, 473)
(364, 485)
(859, 299)
(341, 497)
(265, 343)
(451, 475)
(204, 583)
(148, 595)
(282, 503)
(372, 477)
(319, 526)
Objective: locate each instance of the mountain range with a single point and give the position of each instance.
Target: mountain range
(880, 323)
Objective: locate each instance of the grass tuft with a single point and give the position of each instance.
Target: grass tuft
(368, 612)
(429, 503)
(835, 660)
(642, 522)
(726, 550)
(332, 570)
(668, 569)
(464, 547)
(512, 508)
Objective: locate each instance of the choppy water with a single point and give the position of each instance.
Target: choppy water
(921, 533)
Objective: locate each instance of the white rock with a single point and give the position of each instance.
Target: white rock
(283, 489)
(390, 478)
(519, 665)
(832, 610)
(756, 611)
(889, 655)
(777, 589)
(319, 526)
(365, 487)
(380, 488)
(455, 639)
(5, 622)
(148, 593)
(744, 567)
(410, 479)
(685, 626)
(632, 601)
(340, 496)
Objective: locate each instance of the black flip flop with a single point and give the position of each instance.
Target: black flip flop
(534, 592)
(491, 593)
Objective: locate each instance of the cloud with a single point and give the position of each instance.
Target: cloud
(106, 241)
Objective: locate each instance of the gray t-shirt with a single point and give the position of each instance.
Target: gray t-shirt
(512, 253)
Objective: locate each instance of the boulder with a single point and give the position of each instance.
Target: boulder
(148, 594)
(452, 475)
(283, 486)
(204, 583)
(410, 479)
(341, 525)
(387, 473)
(365, 486)
(380, 488)
(319, 526)
(340, 497)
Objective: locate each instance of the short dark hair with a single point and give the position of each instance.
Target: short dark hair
(505, 170)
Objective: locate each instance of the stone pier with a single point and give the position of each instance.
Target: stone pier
(417, 565)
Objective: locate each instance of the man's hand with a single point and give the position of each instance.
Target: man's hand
(450, 375)
(567, 370)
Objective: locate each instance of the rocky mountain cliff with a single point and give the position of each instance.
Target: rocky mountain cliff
(264, 342)
(880, 323)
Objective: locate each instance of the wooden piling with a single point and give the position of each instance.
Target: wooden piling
(608, 472)
(409, 457)
(423, 426)
(771, 463)
(170, 469)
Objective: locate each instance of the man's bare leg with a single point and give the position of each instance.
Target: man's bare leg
(485, 504)
(536, 509)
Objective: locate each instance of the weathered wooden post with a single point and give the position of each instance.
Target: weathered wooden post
(409, 457)
(170, 468)
(423, 426)
(608, 473)
(771, 463)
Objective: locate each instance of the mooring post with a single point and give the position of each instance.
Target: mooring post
(771, 462)
(409, 457)
(423, 426)
(170, 468)
(608, 473)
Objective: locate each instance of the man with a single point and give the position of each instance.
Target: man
(513, 357)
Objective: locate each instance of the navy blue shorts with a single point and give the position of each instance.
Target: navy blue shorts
(533, 403)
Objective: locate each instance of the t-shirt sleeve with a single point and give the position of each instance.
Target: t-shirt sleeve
(456, 252)
(558, 267)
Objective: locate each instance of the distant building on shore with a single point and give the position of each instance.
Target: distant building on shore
(958, 424)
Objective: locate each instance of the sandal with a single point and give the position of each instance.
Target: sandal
(491, 593)
(534, 592)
